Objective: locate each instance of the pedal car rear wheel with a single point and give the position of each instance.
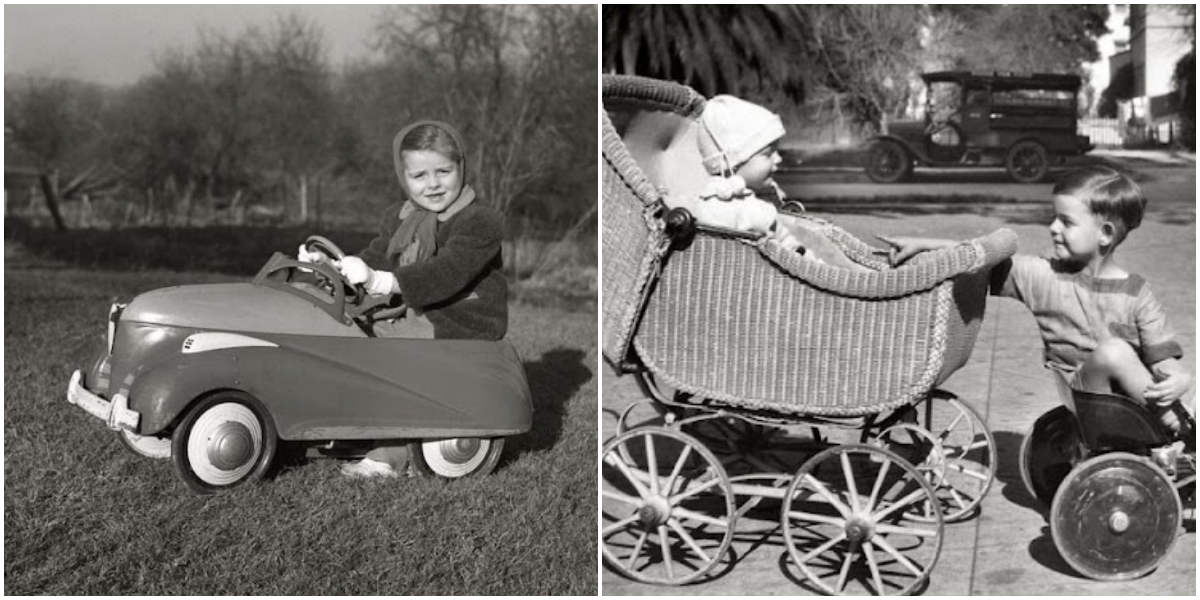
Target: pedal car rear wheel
(455, 458)
(849, 527)
(1115, 517)
(222, 442)
(668, 512)
(1048, 452)
(148, 446)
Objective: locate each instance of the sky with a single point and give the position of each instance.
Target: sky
(117, 44)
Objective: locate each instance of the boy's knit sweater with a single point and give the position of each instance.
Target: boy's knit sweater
(461, 288)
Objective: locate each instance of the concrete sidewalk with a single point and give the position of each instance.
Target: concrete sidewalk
(1007, 549)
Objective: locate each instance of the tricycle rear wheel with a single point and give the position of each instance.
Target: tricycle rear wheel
(455, 458)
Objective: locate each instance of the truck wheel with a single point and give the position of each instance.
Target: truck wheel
(888, 162)
(455, 458)
(224, 441)
(1027, 162)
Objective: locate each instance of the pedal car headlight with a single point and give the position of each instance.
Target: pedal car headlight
(114, 314)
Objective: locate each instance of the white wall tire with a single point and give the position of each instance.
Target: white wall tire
(456, 458)
(224, 441)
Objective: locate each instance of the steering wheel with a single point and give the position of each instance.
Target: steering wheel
(333, 253)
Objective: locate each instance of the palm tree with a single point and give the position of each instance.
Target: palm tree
(713, 48)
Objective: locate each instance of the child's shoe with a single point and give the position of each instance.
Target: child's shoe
(368, 468)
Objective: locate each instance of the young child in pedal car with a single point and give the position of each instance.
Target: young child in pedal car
(439, 249)
(1101, 326)
(737, 142)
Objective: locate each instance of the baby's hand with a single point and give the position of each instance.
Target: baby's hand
(724, 188)
(1170, 388)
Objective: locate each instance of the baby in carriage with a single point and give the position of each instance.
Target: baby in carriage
(737, 143)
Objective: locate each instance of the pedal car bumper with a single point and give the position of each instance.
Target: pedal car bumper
(115, 412)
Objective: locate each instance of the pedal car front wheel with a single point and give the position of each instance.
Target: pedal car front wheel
(224, 441)
(456, 458)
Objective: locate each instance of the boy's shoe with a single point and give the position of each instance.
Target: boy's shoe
(368, 468)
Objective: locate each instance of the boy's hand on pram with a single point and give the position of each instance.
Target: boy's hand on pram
(904, 248)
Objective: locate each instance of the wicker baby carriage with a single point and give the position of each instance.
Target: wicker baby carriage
(735, 338)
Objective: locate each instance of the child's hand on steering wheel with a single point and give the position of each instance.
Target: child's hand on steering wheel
(357, 272)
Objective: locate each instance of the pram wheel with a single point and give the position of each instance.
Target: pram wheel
(668, 506)
(1048, 452)
(849, 527)
(1115, 517)
(953, 448)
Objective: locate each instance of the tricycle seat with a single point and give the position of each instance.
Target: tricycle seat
(1110, 422)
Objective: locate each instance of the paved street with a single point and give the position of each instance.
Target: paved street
(1007, 549)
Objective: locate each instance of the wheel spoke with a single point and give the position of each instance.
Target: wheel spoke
(882, 543)
(828, 495)
(683, 456)
(962, 503)
(619, 497)
(905, 501)
(619, 525)
(851, 487)
(695, 516)
(850, 556)
(652, 464)
(681, 496)
(615, 461)
(823, 547)
(914, 531)
(869, 552)
(878, 485)
(968, 472)
(807, 516)
(664, 543)
(689, 540)
(637, 549)
(950, 428)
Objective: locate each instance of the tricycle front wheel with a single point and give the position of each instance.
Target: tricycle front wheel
(455, 458)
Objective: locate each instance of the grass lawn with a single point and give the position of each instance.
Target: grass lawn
(82, 515)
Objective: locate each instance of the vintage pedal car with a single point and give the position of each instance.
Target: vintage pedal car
(1023, 122)
(213, 376)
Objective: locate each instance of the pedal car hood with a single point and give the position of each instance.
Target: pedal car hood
(235, 307)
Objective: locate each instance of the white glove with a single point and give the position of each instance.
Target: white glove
(354, 270)
(724, 188)
(377, 283)
(315, 256)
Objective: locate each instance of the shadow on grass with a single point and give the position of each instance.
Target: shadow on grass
(554, 379)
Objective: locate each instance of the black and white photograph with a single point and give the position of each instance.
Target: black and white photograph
(898, 300)
(301, 300)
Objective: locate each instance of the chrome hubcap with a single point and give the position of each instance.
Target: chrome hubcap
(230, 446)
